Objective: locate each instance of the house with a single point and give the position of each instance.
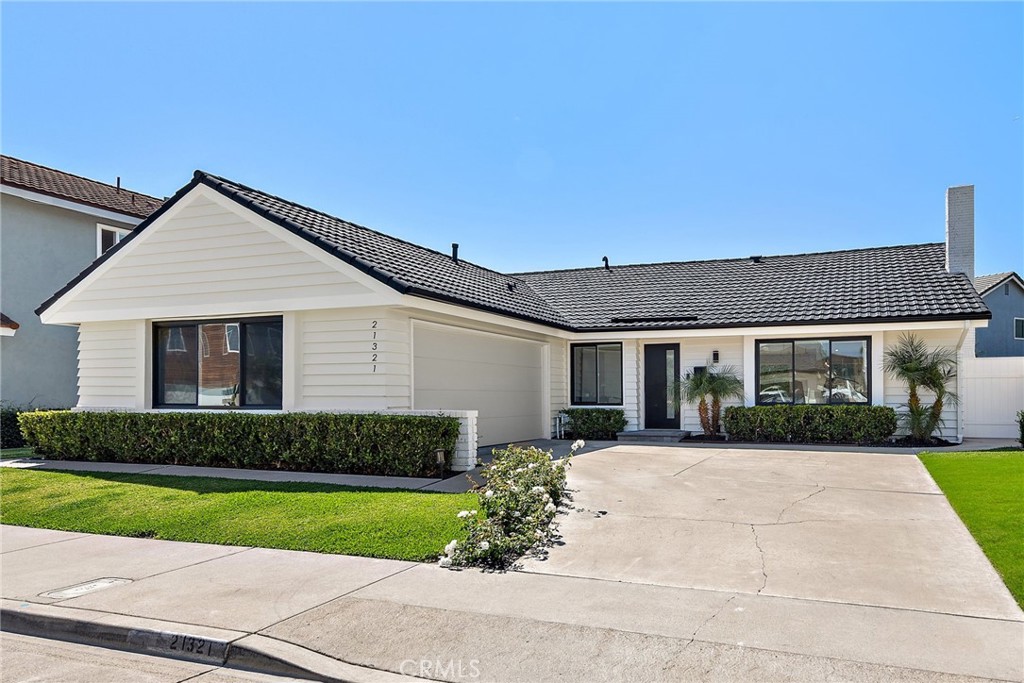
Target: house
(229, 297)
(1003, 293)
(993, 368)
(52, 225)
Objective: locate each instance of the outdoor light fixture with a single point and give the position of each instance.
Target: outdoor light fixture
(714, 357)
(439, 454)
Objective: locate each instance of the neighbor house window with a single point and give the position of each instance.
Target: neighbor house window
(1018, 328)
(597, 374)
(107, 237)
(218, 364)
(813, 371)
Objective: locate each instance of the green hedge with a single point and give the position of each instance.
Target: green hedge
(1020, 426)
(595, 423)
(399, 445)
(10, 432)
(811, 424)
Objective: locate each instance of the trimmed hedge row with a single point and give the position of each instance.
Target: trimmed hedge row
(10, 432)
(397, 445)
(1020, 425)
(595, 423)
(811, 424)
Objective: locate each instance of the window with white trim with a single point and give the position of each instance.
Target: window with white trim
(107, 236)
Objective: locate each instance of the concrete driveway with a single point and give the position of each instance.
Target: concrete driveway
(855, 528)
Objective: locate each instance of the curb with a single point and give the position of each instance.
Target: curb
(205, 645)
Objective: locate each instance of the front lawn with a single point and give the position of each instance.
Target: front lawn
(405, 525)
(987, 490)
(11, 453)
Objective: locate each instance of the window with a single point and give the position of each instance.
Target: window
(813, 371)
(597, 374)
(1018, 328)
(217, 364)
(107, 237)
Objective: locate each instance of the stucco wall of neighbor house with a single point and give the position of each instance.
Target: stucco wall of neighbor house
(996, 340)
(41, 248)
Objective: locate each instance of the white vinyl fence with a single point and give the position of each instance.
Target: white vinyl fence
(993, 393)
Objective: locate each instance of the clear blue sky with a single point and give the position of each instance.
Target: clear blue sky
(548, 135)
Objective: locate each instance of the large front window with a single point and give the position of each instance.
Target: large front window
(597, 374)
(222, 364)
(813, 371)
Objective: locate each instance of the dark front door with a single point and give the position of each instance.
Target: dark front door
(661, 370)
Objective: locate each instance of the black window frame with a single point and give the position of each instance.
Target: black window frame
(1015, 322)
(242, 360)
(792, 368)
(572, 373)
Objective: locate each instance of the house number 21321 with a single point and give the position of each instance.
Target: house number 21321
(373, 344)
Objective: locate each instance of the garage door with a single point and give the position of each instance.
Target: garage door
(502, 378)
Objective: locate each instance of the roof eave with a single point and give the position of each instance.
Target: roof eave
(987, 315)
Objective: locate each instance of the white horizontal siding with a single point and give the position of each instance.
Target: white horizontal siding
(110, 364)
(632, 384)
(559, 378)
(336, 367)
(697, 352)
(206, 254)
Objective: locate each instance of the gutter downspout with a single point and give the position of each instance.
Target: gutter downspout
(960, 383)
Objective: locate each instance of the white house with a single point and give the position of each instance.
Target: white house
(231, 297)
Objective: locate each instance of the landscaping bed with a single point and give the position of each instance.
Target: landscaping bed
(986, 488)
(397, 524)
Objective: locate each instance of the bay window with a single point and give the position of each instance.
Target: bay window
(813, 371)
(218, 364)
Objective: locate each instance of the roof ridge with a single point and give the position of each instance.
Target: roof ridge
(726, 260)
(76, 175)
(304, 207)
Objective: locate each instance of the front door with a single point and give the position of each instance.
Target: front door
(661, 370)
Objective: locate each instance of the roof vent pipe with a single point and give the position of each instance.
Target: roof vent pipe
(606, 266)
(455, 252)
(118, 183)
(756, 259)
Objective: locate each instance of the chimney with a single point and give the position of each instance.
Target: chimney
(455, 252)
(960, 230)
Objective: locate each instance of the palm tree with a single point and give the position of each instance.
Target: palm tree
(912, 362)
(718, 383)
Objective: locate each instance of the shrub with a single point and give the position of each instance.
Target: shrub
(399, 445)
(811, 424)
(1020, 425)
(10, 431)
(595, 423)
(523, 490)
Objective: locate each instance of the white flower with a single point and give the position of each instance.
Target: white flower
(537, 489)
(445, 562)
(550, 507)
(484, 545)
(488, 494)
(464, 514)
(578, 444)
(472, 512)
(538, 533)
(450, 548)
(516, 514)
(531, 465)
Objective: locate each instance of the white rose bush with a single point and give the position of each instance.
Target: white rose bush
(523, 489)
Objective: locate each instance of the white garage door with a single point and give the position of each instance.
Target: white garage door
(502, 378)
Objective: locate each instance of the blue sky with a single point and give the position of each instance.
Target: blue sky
(548, 135)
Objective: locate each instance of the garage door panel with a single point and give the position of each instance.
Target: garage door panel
(500, 378)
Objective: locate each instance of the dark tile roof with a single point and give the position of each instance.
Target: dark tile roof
(8, 323)
(860, 285)
(408, 267)
(864, 285)
(986, 283)
(49, 181)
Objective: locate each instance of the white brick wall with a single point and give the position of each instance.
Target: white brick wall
(960, 230)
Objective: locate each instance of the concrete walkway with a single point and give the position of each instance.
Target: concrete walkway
(676, 564)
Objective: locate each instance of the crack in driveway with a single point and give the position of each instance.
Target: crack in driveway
(799, 500)
(760, 550)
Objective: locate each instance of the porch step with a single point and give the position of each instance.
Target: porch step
(653, 436)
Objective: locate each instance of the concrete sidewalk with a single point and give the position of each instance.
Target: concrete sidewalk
(333, 617)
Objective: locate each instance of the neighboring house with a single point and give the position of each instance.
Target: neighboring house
(993, 369)
(52, 225)
(1003, 293)
(230, 297)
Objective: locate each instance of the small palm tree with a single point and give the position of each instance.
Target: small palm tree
(912, 362)
(718, 383)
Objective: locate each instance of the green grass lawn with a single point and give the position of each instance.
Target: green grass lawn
(403, 525)
(11, 453)
(987, 490)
